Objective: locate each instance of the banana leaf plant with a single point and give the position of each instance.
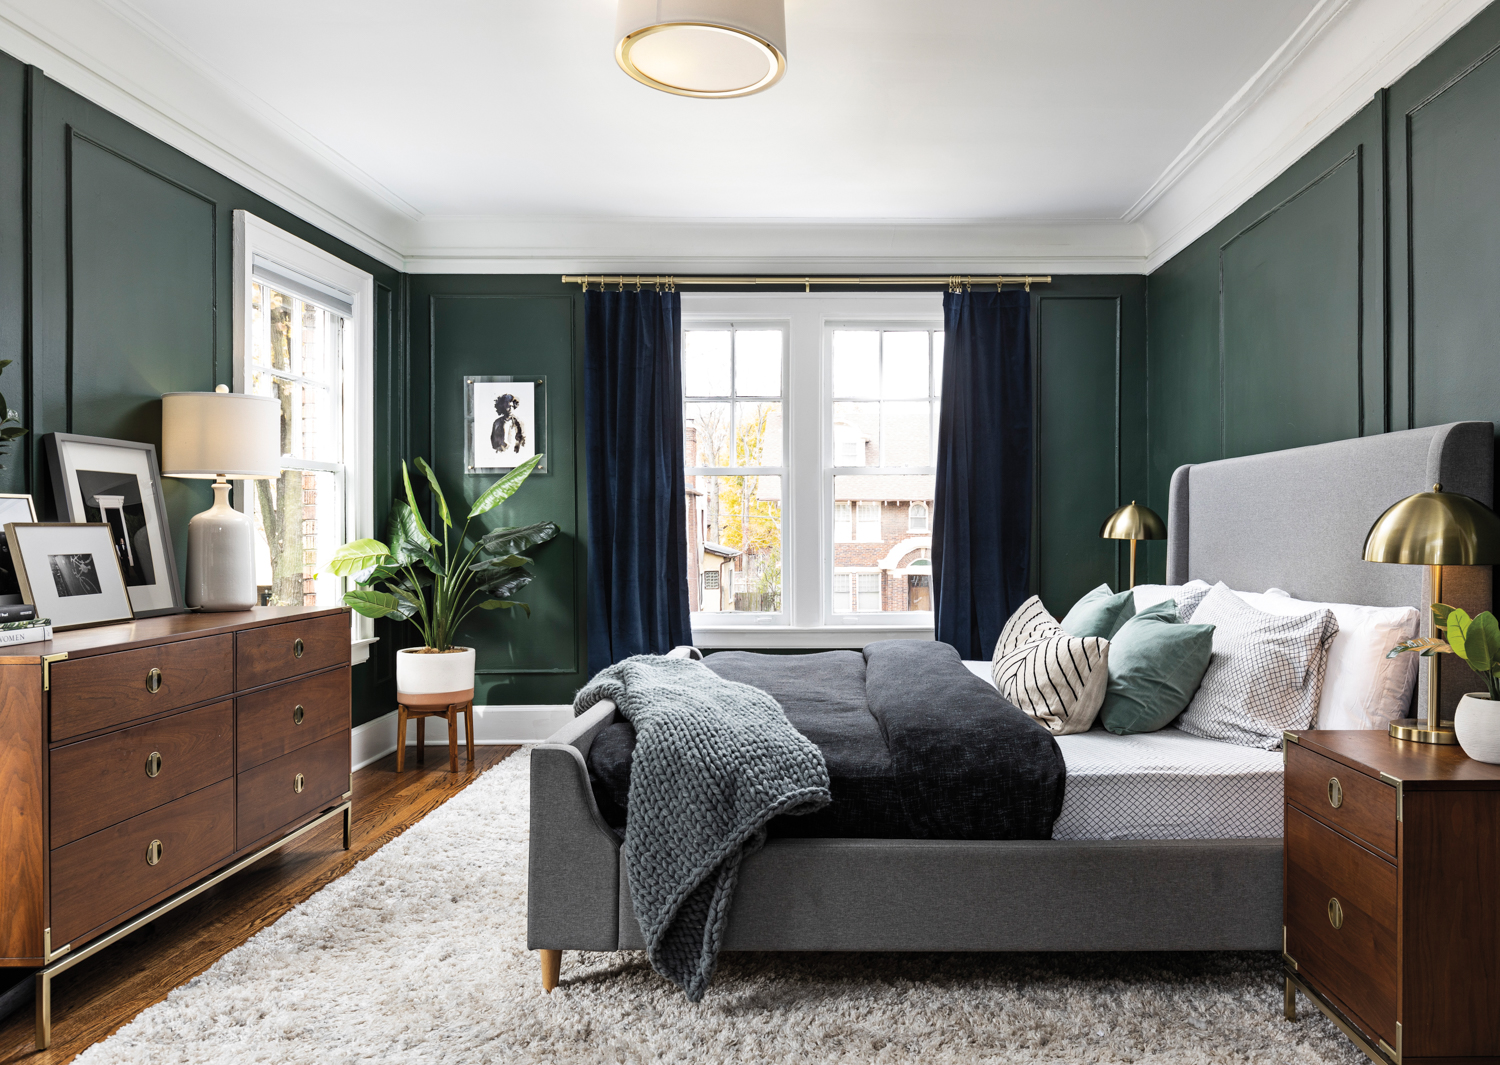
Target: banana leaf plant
(436, 582)
(1476, 640)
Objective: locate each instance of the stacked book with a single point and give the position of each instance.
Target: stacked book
(19, 624)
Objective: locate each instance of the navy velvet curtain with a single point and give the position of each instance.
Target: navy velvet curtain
(632, 398)
(981, 529)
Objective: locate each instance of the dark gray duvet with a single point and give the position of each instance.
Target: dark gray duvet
(917, 747)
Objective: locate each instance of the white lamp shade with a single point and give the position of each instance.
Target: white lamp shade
(704, 48)
(220, 434)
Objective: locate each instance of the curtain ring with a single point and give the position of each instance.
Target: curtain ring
(638, 282)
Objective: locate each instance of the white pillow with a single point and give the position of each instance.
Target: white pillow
(1362, 689)
(1030, 622)
(1266, 673)
(1055, 679)
(1148, 595)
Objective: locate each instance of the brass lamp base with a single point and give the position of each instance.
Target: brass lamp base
(1413, 729)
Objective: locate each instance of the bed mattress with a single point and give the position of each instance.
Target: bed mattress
(1165, 785)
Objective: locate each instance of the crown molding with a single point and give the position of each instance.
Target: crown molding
(1357, 50)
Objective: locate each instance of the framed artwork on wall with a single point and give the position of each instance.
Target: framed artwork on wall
(13, 508)
(71, 571)
(505, 423)
(118, 483)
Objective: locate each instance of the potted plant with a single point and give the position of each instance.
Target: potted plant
(1476, 640)
(435, 583)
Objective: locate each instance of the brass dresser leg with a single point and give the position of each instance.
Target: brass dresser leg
(43, 1011)
(1291, 1000)
(551, 968)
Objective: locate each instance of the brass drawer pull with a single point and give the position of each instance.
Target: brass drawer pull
(153, 680)
(153, 764)
(298, 783)
(297, 647)
(1335, 913)
(153, 852)
(298, 714)
(1335, 793)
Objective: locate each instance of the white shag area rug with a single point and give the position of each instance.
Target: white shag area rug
(419, 955)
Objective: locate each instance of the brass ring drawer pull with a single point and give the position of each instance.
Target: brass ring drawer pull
(153, 764)
(153, 852)
(1335, 793)
(298, 648)
(153, 680)
(1335, 913)
(298, 783)
(298, 714)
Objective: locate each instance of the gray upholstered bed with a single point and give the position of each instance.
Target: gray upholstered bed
(1292, 519)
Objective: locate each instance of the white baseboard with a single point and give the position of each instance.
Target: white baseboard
(493, 725)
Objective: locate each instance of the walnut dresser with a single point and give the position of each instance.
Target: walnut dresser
(1392, 894)
(141, 763)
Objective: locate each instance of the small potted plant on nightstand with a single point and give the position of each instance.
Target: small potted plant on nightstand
(1476, 640)
(435, 584)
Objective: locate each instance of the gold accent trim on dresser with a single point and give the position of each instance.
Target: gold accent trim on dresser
(1335, 913)
(153, 680)
(153, 764)
(1395, 782)
(153, 852)
(1335, 793)
(47, 661)
(1295, 983)
(297, 648)
(298, 783)
(298, 714)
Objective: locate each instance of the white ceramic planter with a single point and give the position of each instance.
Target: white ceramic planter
(424, 676)
(1477, 723)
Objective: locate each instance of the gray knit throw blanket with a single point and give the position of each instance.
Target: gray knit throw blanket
(714, 761)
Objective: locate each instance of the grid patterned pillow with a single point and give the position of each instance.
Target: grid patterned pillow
(1189, 596)
(1056, 679)
(1266, 673)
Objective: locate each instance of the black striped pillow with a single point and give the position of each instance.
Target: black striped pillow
(1059, 680)
(1030, 622)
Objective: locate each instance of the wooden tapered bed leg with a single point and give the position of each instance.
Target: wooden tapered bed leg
(551, 967)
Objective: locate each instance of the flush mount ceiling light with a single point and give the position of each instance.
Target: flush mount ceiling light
(705, 48)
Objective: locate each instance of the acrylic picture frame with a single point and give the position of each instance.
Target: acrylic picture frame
(125, 474)
(501, 413)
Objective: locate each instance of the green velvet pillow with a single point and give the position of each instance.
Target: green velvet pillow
(1155, 665)
(1099, 613)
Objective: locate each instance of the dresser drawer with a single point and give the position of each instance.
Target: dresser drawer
(1366, 807)
(280, 652)
(101, 782)
(102, 691)
(269, 799)
(276, 720)
(1331, 881)
(106, 875)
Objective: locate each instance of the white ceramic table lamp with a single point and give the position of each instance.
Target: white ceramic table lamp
(220, 435)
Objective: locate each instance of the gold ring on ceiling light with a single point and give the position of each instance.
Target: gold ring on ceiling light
(776, 61)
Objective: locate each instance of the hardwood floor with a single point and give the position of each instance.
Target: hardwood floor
(98, 996)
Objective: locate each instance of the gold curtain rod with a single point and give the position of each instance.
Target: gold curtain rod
(954, 282)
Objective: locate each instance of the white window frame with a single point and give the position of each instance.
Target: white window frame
(807, 617)
(256, 237)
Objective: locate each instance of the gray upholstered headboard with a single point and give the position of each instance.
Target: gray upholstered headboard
(1297, 519)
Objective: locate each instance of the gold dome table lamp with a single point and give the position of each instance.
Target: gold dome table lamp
(1434, 529)
(1133, 523)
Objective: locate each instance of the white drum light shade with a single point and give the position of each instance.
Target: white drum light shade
(704, 48)
(220, 434)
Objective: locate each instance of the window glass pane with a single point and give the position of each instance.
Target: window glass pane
(908, 433)
(856, 434)
(706, 362)
(869, 592)
(867, 522)
(734, 529)
(892, 541)
(757, 434)
(706, 435)
(904, 368)
(841, 591)
(843, 522)
(856, 362)
(310, 426)
(757, 362)
(937, 362)
(917, 518)
(299, 519)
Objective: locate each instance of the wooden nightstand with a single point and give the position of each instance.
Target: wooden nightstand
(1391, 909)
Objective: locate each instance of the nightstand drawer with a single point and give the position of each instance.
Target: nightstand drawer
(281, 652)
(276, 720)
(1357, 805)
(282, 791)
(1341, 920)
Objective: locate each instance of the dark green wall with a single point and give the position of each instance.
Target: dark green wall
(115, 275)
(515, 326)
(1353, 295)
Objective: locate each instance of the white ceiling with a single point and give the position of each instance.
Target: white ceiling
(499, 134)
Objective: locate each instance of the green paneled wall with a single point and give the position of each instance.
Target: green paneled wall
(1330, 305)
(115, 273)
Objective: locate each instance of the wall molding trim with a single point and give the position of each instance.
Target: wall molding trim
(493, 726)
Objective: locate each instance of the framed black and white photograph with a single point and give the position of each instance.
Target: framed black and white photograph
(17, 508)
(505, 422)
(70, 571)
(118, 483)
